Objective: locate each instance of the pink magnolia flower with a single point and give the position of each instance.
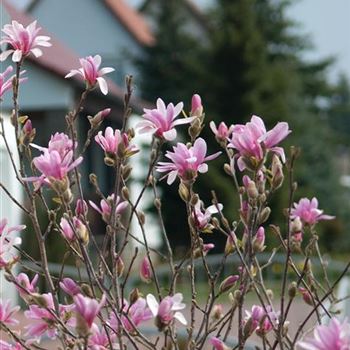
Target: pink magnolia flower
(202, 217)
(42, 319)
(114, 141)
(99, 339)
(145, 270)
(23, 41)
(7, 312)
(252, 141)
(161, 120)
(105, 207)
(51, 165)
(27, 286)
(56, 160)
(335, 336)
(218, 344)
(70, 286)
(308, 211)
(86, 310)
(75, 230)
(167, 309)
(7, 242)
(186, 162)
(222, 132)
(133, 316)
(6, 85)
(260, 320)
(90, 72)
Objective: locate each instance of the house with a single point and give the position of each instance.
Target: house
(47, 97)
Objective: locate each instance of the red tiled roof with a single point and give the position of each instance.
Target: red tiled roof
(58, 58)
(132, 20)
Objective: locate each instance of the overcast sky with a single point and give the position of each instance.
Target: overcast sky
(328, 23)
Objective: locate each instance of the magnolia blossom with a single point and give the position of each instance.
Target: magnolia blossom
(133, 315)
(6, 85)
(7, 242)
(56, 161)
(308, 211)
(86, 310)
(111, 142)
(22, 41)
(252, 141)
(222, 132)
(218, 344)
(105, 207)
(202, 217)
(91, 73)
(260, 321)
(161, 121)
(335, 336)
(7, 312)
(24, 285)
(167, 309)
(186, 162)
(77, 229)
(43, 319)
(99, 339)
(70, 286)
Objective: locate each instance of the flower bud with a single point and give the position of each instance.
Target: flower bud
(119, 266)
(277, 173)
(307, 297)
(217, 312)
(134, 296)
(109, 161)
(81, 208)
(125, 193)
(196, 106)
(126, 171)
(82, 231)
(99, 117)
(259, 240)
(203, 250)
(292, 289)
(218, 344)
(230, 246)
(228, 283)
(145, 270)
(264, 215)
(184, 192)
(28, 133)
(195, 129)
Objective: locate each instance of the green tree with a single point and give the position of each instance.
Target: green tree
(252, 64)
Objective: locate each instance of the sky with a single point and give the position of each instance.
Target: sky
(328, 24)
